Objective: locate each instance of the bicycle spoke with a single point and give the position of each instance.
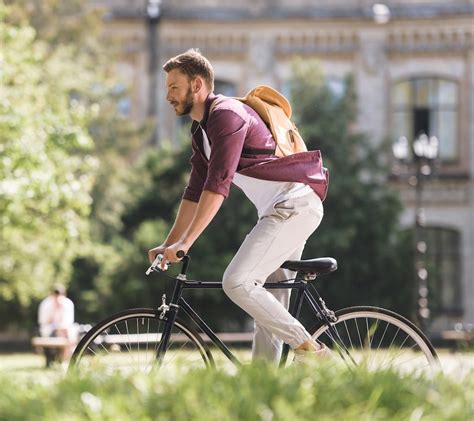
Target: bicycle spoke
(120, 333)
(400, 353)
(407, 361)
(138, 343)
(382, 343)
(383, 336)
(147, 333)
(393, 339)
(130, 337)
(339, 343)
(129, 342)
(342, 349)
(371, 332)
(348, 335)
(358, 334)
(91, 350)
(176, 352)
(158, 336)
(105, 348)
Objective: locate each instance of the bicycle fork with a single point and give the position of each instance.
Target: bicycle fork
(168, 315)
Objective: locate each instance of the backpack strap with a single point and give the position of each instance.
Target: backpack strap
(245, 151)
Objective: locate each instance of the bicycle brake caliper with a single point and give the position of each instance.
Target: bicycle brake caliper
(328, 313)
(164, 308)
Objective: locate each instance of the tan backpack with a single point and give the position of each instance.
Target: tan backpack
(275, 110)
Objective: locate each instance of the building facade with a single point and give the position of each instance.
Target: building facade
(413, 64)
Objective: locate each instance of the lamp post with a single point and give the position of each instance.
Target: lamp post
(424, 153)
(153, 15)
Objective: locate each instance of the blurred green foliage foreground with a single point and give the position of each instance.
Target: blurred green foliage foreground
(254, 392)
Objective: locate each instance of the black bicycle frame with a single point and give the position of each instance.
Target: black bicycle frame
(179, 303)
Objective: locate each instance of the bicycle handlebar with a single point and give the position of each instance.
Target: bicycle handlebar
(155, 266)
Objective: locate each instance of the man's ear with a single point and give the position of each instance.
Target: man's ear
(196, 85)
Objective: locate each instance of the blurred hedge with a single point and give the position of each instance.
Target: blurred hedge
(254, 392)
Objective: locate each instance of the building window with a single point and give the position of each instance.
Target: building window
(430, 106)
(443, 261)
(336, 85)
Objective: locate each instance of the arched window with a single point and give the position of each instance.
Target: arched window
(443, 261)
(427, 105)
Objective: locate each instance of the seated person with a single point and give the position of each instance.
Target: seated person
(56, 319)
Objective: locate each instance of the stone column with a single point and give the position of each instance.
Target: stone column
(260, 68)
(371, 82)
(468, 246)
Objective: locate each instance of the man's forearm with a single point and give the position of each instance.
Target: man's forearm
(185, 216)
(208, 205)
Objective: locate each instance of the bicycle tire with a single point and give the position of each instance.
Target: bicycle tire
(377, 338)
(127, 347)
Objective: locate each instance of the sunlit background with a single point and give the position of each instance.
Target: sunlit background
(93, 160)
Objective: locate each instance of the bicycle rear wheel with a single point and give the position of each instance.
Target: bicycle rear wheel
(128, 341)
(378, 339)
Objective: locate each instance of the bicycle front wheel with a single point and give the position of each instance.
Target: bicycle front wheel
(128, 341)
(378, 339)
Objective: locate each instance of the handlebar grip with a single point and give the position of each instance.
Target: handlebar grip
(180, 254)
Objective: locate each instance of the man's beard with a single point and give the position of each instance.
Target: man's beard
(187, 103)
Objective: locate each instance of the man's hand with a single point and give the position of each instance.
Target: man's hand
(169, 254)
(201, 214)
(152, 253)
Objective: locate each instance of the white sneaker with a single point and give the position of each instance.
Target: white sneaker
(303, 357)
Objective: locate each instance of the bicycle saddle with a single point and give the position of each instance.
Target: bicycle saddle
(318, 266)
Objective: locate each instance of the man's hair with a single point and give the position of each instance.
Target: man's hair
(192, 63)
(58, 289)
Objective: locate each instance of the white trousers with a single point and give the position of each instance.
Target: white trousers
(278, 236)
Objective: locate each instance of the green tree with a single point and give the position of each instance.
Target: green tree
(46, 165)
(66, 152)
(360, 227)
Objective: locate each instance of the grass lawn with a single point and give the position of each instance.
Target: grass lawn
(456, 364)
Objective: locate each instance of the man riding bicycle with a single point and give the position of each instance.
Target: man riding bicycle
(232, 144)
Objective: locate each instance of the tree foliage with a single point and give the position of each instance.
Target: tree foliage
(360, 227)
(66, 153)
(46, 166)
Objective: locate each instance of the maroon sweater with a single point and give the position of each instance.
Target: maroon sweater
(239, 142)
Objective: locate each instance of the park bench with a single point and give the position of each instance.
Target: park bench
(40, 342)
(49, 342)
(50, 346)
(134, 338)
(457, 337)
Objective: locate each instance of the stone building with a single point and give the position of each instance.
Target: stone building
(413, 63)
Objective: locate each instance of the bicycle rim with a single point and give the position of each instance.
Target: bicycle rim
(377, 339)
(128, 342)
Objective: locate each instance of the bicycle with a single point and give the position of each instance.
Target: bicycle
(144, 338)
